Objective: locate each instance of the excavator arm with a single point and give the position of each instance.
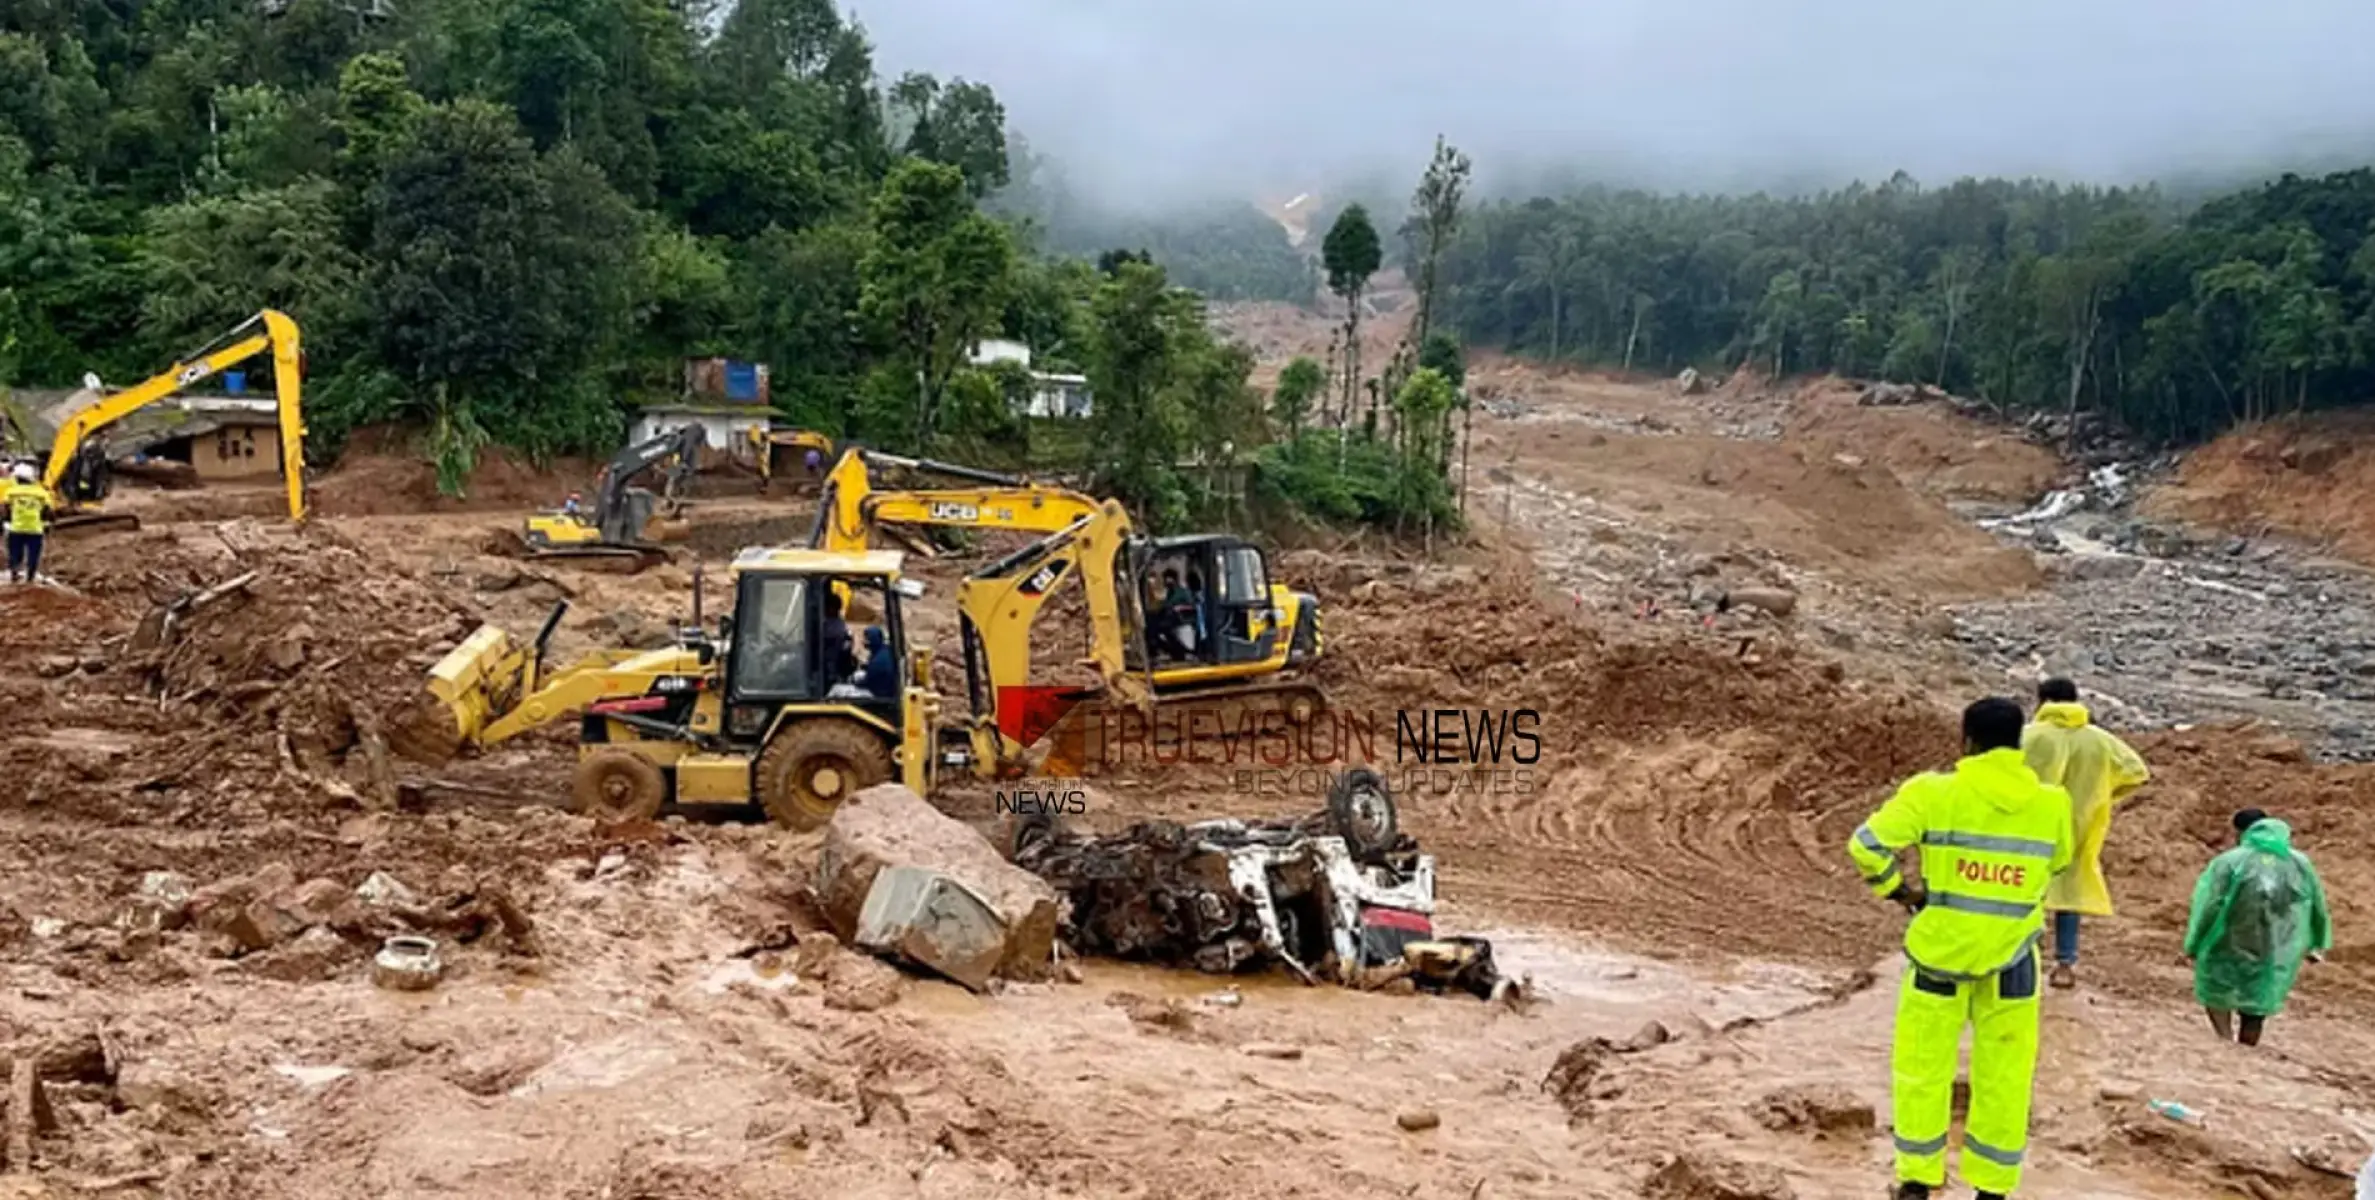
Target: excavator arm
(680, 447)
(278, 334)
(851, 509)
(999, 604)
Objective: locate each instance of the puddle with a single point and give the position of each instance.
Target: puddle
(1564, 968)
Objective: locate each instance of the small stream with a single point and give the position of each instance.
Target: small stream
(2164, 625)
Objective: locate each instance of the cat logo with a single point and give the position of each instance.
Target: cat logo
(1045, 577)
(192, 374)
(943, 510)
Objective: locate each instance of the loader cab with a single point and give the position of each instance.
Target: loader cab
(1219, 613)
(791, 607)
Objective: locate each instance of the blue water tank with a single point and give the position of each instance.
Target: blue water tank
(235, 382)
(742, 381)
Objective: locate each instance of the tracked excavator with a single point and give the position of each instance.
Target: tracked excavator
(79, 473)
(615, 535)
(1240, 637)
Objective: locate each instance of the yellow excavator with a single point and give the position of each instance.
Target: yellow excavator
(615, 535)
(765, 442)
(78, 471)
(772, 708)
(1215, 624)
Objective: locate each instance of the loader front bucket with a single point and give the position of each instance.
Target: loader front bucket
(472, 683)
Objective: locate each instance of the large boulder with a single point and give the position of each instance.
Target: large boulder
(890, 826)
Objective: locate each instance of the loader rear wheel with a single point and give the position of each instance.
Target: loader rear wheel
(615, 785)
(812, 766)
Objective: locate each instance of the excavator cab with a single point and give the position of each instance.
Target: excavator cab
(1223, 612)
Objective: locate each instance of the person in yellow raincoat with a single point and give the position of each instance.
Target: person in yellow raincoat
(2064, 747)
(1991, 837)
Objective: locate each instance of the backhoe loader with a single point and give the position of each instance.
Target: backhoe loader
(78, 473)
(766, 710)
(1233, 637)
(614, 534)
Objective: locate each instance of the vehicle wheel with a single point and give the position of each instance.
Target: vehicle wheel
(814, 765)
(1026, 832)
(615, 784)
(1361, 810)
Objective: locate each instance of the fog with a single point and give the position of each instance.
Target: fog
(1146, 101)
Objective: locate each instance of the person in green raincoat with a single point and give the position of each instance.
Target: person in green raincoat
(2259, 910)
(2064, 747)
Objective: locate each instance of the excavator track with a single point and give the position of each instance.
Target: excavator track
(612, 560)
(90, 522)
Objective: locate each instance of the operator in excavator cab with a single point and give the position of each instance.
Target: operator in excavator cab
(574, 506)
(29, 506)
(1174, 623)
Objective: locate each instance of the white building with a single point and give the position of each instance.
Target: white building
(1052, 395)
(725, 430)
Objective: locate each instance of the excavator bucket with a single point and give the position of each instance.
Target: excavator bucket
(465, 689)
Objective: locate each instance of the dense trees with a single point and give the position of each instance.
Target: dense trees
(505, 221)
(2030, 295)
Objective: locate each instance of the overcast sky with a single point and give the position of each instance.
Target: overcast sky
(1144, 99)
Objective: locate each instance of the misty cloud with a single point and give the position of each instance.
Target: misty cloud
(1144, 100)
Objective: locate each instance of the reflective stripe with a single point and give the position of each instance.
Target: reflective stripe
(2002, 1158)
(1936, 1145)
(1870, 841)
(1886, 873)
(2025, 947)
(2029, 847)
(1974, 904)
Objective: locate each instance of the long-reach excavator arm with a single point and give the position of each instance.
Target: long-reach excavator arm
(278, 334)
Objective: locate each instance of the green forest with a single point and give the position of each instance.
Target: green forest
(506, 222)
(2173, 323)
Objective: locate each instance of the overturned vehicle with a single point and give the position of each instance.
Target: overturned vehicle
(1341, 895)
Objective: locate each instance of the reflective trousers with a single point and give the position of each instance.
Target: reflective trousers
(1931, 1014)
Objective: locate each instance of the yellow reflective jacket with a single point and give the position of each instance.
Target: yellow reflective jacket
(1991, 836)
(28, 506)
(2097, 769)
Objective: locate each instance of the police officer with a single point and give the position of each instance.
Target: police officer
(1992, 837)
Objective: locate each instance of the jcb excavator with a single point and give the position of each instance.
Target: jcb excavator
(614, 534)
(78, 473)
(766, 709)
(765, 442)
(1234, 636)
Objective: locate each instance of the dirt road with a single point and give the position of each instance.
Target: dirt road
(1673, 858)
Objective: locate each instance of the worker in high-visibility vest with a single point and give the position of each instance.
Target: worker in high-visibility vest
(1992, 836)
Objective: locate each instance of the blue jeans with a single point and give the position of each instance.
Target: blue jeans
(2065, 938)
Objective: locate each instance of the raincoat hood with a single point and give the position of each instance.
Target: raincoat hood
(2269, 836)
(2063, 713)
(2004, 777)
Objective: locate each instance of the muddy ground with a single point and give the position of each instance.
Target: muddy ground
(1673, 858)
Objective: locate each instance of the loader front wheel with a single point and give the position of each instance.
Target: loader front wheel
(614, 785)
(813, 766)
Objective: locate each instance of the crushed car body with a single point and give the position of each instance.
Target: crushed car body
(1339, 896)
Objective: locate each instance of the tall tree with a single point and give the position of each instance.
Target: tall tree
(1435, 209)
(1299, 384)
(1351, 254)
(934, 281)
